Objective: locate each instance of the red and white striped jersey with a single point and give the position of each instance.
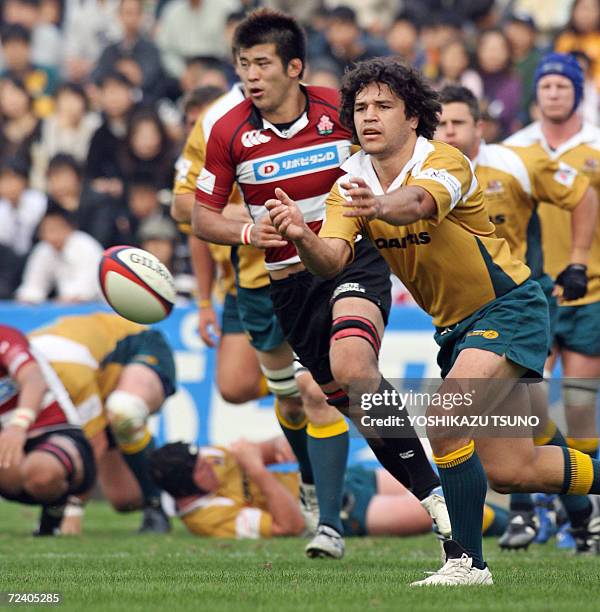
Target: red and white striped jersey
(57, 410)
(304, 160)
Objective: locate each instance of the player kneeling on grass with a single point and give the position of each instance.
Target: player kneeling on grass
(44, 456)
(118, 374)
(231, 493)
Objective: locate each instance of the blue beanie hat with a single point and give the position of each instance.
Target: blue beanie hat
(565, 65)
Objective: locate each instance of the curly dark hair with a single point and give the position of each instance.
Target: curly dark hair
(420, 100)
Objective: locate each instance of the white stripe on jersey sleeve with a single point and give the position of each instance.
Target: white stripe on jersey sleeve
(502, 158)
(58, 348)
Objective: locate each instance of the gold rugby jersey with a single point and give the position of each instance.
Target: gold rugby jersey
(237, 509)
(514, 180)
(452, 264)
(252, 271)
(581, 153)
(79, 349)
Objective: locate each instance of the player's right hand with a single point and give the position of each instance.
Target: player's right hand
(12, 443)
(286, 216)
(265, 236)
(208, 326)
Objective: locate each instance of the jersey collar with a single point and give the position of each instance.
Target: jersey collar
(260, 123)
(360, 164)
(588, 133)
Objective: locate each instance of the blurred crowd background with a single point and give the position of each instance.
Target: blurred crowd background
(97, 96)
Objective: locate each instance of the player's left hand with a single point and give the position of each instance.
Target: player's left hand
(363, 202)
(573, 279)
(12, 443)
(248, 455)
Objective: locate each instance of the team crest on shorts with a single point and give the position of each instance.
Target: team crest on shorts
(488, 334)
(325, 125)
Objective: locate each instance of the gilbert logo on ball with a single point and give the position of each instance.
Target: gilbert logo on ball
(136, 284)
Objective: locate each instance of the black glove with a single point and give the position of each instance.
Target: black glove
(573, 280)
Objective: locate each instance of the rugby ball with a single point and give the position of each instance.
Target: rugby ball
(136, 284)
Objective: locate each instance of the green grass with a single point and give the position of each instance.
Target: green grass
(112, 568)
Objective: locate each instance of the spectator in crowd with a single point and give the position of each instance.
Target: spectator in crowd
(147, 149)
(583, 33)
(46, 43)
(190, 28)
(133, 45)
(455, 68)
(96, 217)
(403, 40)
(63, 263)
(590, 105)
(143, 202)
(68, 130)
(103, 164)
(302, 11)
(21, 208)
(158, 236)
(437, 30)
(90, 26)
(373, 16)
(501, 86)
(346, 42)
(195, 102)
(19, 127)
(231, 23)
(526, 55)
(205, 71)
(64, 178)
(323, 74)
(40, 81)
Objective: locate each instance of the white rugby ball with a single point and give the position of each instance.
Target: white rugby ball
(136, 284)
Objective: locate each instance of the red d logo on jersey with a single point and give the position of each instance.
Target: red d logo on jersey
(325, 125)
(253, 138)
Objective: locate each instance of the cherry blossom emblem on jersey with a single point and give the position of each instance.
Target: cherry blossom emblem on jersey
(325, 125)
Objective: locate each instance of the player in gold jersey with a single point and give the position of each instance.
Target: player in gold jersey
(420, 203)
(514, 181)
(117, 373)
(213, 270)
(562, 136)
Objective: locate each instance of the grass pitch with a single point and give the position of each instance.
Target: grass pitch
(113, 568)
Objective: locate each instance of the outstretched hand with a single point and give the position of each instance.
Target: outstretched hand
(286, 216)
(363, 202)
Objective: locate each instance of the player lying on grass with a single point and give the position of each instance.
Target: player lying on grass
(231, 493)
(44, 456)
(118, 374)
(420, 203)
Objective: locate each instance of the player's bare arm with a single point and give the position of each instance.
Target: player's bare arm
(400, 207)
(12, 438)
(583, 225)
(211, 225)
(325, 257)
(287, 519)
